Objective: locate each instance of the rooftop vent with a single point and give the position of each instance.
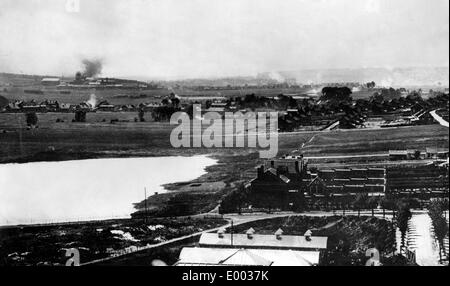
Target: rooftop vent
(278, 233)
(250, 233)
(308, 234)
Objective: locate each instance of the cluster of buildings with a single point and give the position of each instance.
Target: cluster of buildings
(33, 106)
(287, 184)
(347, 182)
(414, 154)
(55, 106)
(251, 249)
(279, 183)
(424, 181)
(91, 82)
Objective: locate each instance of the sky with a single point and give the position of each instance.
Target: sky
(215, 38)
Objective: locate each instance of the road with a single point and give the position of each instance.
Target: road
(438, 118)
(237, 219)
(422, 243)
(350, 156)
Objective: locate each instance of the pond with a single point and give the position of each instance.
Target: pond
(44, 192)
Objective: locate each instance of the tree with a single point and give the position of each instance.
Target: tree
(141, 115)
(417, 154)
(31, 118)
(338, 94)
(3, 102)
(360, 201)
(388, 202)
(373, 203)
(292, 102)
(80, 116)
(370, 84)
(436, 212)
(403, 216)
(175, 102)
(414, 97)
(376, 98)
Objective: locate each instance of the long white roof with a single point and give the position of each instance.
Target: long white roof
(256, 257)
(264, 241)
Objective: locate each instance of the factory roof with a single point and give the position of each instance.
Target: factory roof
(398, 152)
(264, 241)
(256, 257)
(50, 79)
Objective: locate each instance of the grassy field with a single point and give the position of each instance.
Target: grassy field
(379, 140)
(136, 96)
(98, 138)
(150, 138)
(348, 238)
(35, 245)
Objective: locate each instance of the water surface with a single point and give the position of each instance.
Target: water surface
(43, 192)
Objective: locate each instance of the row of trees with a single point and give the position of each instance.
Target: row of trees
(436, 211)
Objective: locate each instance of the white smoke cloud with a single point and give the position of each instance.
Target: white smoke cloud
(276, 76)
(92, 100)
(387, 82)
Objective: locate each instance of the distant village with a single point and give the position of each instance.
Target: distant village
(331, 107)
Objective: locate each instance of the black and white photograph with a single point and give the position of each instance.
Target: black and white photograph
(224, 133)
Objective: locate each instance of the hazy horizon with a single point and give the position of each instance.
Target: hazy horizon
(170, 39)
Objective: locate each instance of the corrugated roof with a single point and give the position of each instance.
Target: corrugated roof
(191, 256)
(264, 241)
(246, 257)
(398, 152)
(50, 79)
(204, 255)
(285, 179)
(215, 109)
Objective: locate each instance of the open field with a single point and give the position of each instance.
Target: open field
(150, 138)
(135, 96)
(35, 245)
(348, 238)
(98, 138)
(379, 140)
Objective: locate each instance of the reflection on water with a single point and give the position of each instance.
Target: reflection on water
(87, 189)
(420, 238)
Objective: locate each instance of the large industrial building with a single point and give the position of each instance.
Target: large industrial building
(50, 81)
(251, 249)
(278, 184)
(286, 183)
(347, 181)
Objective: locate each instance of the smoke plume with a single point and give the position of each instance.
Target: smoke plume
(276, 76)
(92, 100)
(92, 68)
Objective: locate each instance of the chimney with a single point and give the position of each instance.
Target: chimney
(308, 234)
(220, 233)
(260, 171)
(250, 233)
(278, 234)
